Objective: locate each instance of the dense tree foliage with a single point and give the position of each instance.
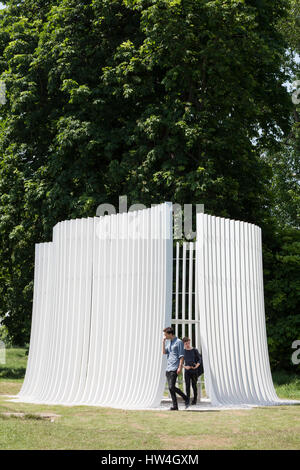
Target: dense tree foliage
(282, 294)
(156, 99)
(282, 256)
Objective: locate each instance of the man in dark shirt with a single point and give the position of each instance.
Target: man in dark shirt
(175, 353)
(192, 362)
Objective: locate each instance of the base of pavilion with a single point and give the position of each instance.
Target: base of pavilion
(203, 405)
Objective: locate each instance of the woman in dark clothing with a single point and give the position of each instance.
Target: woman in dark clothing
(192, 362)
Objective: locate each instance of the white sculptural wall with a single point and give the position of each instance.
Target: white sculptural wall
(232, 317)
(102, 297)
(103, 294)
(41, 319)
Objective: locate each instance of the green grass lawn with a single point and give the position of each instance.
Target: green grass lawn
(83, 427)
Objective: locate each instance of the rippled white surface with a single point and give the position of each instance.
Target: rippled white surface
(232, 316)
(102, 296)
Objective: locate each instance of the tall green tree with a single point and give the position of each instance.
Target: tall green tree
(156, 99)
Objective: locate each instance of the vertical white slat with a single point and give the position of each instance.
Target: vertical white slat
(45, 315)
(40, 317)
(215, 324)
(80, 309)
(146, 323)
(117, 309)
(101, 311)
(225, 300)
(239, 395)
(63, 313)
(232, 303)
(129, 269)
(177, 287)
(232, 378)
(249, 309)
(204, 301)
(106, 316)
(67, 366)
(249, 392)
(157, 356)
(92, 289)
(166, 298)
(59, 333)
(183, 288)
(83, 308)
(259, 326)
(158, 219)
(210, 298)
(36, 330)
(239, 293)
(220, 308)
(52, 325)
(190, 301)
(197, 293)
(152, 279)
(67, 329)
(124, 260)
(109, 377)
(154, 283)
(141, 311)
(206, 311)
(91, 328)
(140, 317)
(72, 366)
(137, 305)
(272, 396)
(55, 324)
(255, 321)
(34, 347)
(215, 301)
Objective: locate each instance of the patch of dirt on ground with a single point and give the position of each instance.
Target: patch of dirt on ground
(138, 426)
(237, 412)
(46, 416)
(9, 388)
(192, 442)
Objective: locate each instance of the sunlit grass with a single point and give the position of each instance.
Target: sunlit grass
(81, 427)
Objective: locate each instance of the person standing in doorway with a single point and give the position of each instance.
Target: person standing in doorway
(193, 368)
(175, 355)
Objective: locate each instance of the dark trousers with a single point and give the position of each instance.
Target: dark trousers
(171, 378)
(191, 376)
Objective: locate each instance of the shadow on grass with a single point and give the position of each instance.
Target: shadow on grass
(9, 373)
